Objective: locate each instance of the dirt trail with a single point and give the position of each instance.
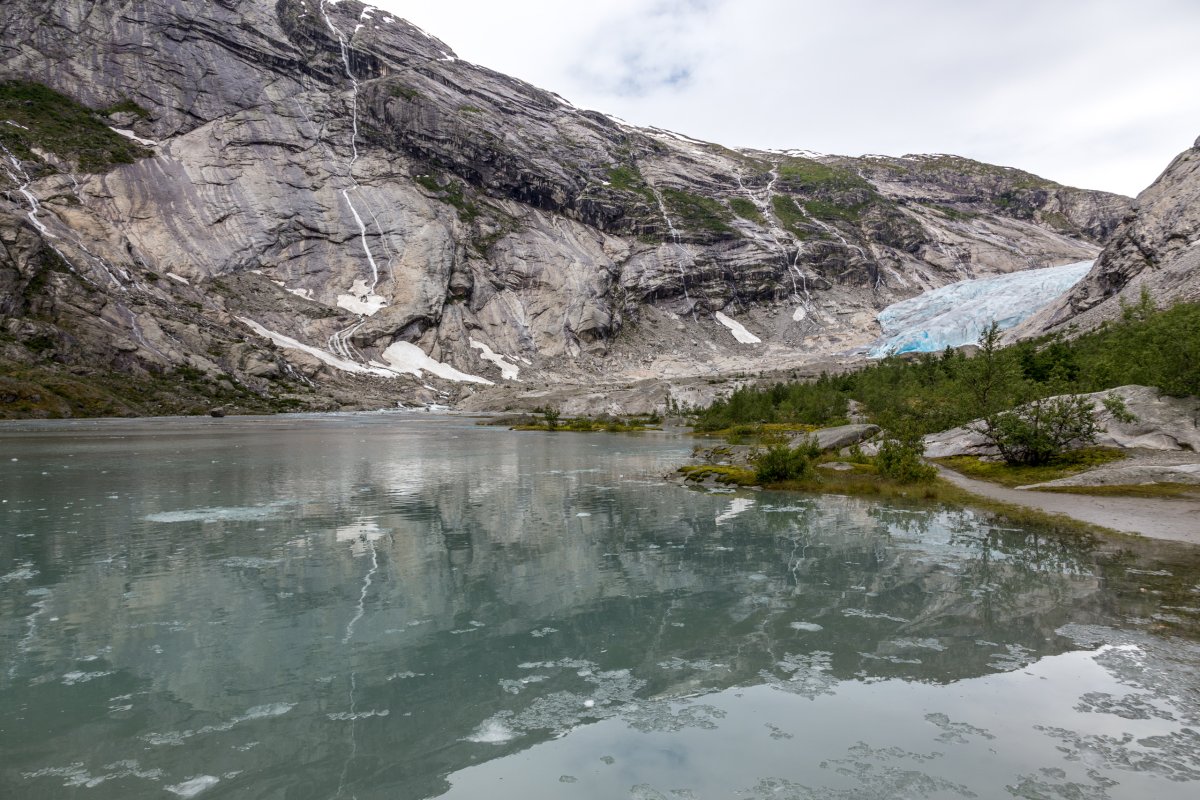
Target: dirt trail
(1167, 518)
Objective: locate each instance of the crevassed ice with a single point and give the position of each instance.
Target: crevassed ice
(958, 313)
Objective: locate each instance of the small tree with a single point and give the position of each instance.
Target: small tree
(551, 416)
(990, 380)
(900, 457)
(1039, 432)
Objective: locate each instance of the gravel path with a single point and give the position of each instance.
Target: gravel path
(1167, 518)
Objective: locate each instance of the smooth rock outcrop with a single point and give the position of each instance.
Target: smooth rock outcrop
(839, 437)
(1161, 423)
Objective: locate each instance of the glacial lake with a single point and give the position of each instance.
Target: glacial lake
(411, 606)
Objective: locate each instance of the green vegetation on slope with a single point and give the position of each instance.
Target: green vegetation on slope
(700, 214)
(54, 123)
(747, 210)
(936, 391)
(790, 215)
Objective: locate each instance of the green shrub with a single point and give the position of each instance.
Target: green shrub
(782, 463)
(1040, 431)
(901, 460)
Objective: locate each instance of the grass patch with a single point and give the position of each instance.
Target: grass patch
(790, 215)
(730, 476)
(701, 214)
(747, 210)
(829, 211)
(401, 90)
(590, 424)
(1187, 491)
(765, 433)
(127, 106)
(804, 174)
(55, 123)
(1070, 463)
(452, 193)
(952, 213)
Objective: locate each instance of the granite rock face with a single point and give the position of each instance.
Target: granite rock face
(396, 219)
(1156, 248)
(1159, 423)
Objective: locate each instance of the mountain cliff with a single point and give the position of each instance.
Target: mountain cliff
(1155, 249)
(313, 204)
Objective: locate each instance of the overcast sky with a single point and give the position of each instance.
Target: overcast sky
(1093, 93)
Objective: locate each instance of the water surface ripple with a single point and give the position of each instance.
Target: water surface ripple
(410, 606)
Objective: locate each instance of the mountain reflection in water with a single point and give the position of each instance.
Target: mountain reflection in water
(399, 606)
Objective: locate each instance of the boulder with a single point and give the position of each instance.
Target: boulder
(839, 437)
(1162, 423)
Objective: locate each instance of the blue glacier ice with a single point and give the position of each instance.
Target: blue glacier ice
(958, 313)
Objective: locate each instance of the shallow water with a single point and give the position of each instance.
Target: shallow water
(399, 606)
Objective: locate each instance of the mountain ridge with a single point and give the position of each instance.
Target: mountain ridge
(338, 177)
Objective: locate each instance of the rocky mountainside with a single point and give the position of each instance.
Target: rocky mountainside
(1156, 249)
(304, 204)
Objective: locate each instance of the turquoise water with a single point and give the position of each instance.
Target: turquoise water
(411, 606)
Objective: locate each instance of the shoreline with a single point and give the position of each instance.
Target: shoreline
(1171, 519)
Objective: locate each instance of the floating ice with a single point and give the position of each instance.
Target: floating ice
(492, 731)
(957, 314)
(194, 786)
(176, 738)
(353, 716)
(219, 514)
(810, 627)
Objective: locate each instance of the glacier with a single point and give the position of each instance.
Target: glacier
(958, 313)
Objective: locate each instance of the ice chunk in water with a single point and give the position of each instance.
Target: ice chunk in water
(194, 786)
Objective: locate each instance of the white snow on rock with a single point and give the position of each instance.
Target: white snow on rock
(957, 314)
(134, 137)
(508, 370)
(288, 343)
(406, 357)
(799, 314)
(178, 279)
(361, 300)
(738, 329)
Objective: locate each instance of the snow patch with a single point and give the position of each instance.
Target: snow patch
(738, 329)
(410, 359)
(508, 370)
(361, 300)
(799, 314)
(288, 343)
(134, 137)
(958, 313)
(179, 279)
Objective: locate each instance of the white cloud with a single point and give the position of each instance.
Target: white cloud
(1094, 93)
